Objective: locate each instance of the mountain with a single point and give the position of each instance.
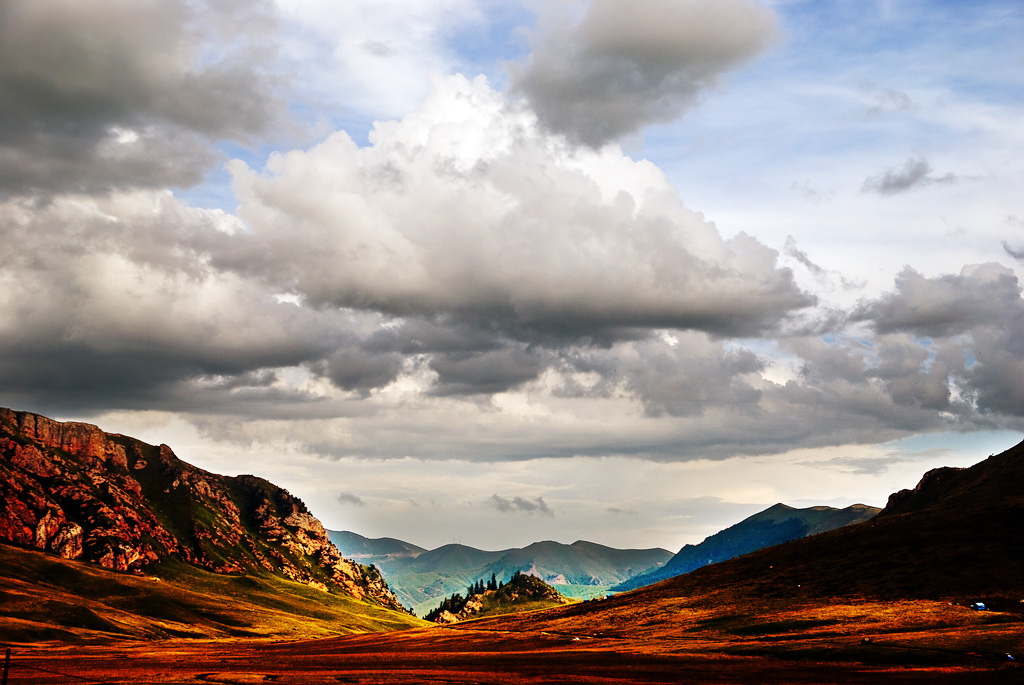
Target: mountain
(885, 600)
(422, 578)
(79, 493)
(951, 541)
(521, 593)
(775, 525)
(377, 551)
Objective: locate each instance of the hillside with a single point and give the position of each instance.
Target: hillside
(48, 598)
(775, 525)
(521, 593)
(75, 492)
(420, 579)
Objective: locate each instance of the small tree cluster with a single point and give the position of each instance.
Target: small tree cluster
(457, 602)
(454, 604)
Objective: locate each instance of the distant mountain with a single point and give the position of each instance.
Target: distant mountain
(775, 525)
(377, 551)
(422, 578)
(74, 491)
(955, 535)
(885, 600)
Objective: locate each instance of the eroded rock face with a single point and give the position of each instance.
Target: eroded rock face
(71, 489)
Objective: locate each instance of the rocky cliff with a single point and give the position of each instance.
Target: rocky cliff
(76, 491)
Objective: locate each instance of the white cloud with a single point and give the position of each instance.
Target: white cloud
(465, 209)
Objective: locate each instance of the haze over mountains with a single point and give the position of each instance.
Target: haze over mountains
(420, 578)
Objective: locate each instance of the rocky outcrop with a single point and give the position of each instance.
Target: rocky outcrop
(521, 590)
(930, 487)
(75, 491)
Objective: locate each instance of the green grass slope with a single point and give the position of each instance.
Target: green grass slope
(46, 598)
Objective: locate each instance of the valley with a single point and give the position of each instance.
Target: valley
(673, 640)
(886, 599)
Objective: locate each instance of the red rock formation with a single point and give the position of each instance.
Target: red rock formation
(71, 489)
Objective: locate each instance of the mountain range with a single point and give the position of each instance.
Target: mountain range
(955, 537)
(421, 578)
(775, 525)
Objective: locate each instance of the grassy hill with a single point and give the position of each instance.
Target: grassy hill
(47, 598)
(521, 593)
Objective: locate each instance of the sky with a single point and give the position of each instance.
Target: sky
(495, 272)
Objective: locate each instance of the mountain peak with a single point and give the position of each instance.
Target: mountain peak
(777, 524)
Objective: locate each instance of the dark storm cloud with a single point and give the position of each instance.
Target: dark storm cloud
(445, 333)
(623, 66)
(914, 173)
(686, 378)
(356, 369)
(945, 305)
(976, 321)
(520, 505)
(102, 94)
(487, 372)
(108, 303)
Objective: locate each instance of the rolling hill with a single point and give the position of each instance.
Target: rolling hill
(776, 524)
(521, 593)
(422, 578)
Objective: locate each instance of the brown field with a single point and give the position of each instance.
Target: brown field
(678, 640)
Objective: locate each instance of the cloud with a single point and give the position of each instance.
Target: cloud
(1016, 253)
(465, 213)
(349, 498)
(621, 66)
(885, 100)
(946, 305)
(107, 302)
(354, 368)
(520, 505)
(488, 372)
(976, 319)
(916, 172)
(110, 94)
